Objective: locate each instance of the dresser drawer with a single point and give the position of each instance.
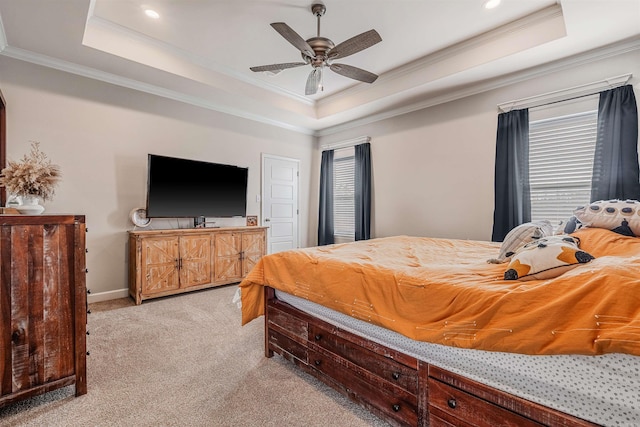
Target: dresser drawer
(452, 404)
(384, 367)
(396, 403)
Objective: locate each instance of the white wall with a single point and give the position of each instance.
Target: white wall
(433, 169)
(100, 135)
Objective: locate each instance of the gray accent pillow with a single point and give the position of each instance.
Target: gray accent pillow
(520, 235)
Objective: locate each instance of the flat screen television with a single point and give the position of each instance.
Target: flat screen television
(181, 188)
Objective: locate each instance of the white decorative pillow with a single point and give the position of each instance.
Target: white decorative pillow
(546, 258)
(621, 216)
(519, 235)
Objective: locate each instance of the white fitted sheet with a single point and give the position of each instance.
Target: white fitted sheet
(602, 389)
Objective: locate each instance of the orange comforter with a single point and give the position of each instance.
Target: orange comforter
(443, 291)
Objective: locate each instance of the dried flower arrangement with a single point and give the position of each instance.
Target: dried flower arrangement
(34, 175)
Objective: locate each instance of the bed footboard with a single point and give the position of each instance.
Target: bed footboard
(394, 386)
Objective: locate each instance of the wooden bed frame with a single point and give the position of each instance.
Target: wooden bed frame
(396, 387)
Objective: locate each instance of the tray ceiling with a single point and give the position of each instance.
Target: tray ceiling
(200, 51)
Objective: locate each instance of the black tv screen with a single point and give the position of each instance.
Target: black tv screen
(179, 188)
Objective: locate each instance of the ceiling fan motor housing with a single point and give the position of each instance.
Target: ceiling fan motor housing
(320, 46)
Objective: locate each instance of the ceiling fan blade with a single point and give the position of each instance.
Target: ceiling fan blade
(274, 68)
(355, 44)
(293, 38)
(354, 72)
(313, 81)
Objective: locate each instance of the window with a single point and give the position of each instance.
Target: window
(561, 151)
(345, 199)
(344, 195)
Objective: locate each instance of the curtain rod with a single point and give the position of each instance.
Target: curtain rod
(566, 94)
(347, 143)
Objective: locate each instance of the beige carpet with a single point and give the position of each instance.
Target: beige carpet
(186, 361)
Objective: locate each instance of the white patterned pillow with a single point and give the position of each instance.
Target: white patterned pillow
(519, 235)
(621, 216)
(546, 258)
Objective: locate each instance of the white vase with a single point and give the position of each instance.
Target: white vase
(30, 205)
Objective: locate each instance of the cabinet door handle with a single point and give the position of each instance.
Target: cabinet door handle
(318, 362)
(318, 337)
(395, 375)
(395, 407)
(452, 403)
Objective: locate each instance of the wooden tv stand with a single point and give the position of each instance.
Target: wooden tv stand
(167, 262)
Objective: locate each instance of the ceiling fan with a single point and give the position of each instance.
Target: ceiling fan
(320, 52)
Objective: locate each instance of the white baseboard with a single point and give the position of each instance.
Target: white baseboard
(106, 296)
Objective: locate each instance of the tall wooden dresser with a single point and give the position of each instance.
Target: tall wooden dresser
(43, 305)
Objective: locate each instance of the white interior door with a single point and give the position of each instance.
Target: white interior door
(280, 177)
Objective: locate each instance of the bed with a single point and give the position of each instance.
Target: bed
(424, 331)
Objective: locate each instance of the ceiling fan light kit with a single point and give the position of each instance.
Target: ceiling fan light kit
(319, 52)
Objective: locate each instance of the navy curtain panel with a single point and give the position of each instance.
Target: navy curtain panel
(363, 191)
(615, 165)
(325, 216)
(512, 192)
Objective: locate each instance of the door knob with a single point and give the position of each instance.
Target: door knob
(267, 220)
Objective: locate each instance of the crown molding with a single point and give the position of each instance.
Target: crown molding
(449, 52)
(615, 49)
(602, 53)
(92, 73)
(183, 55)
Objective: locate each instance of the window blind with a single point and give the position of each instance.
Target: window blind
(561, 151)
(344, 197)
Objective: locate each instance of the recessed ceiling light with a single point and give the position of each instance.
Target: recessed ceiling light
(152, 13)
(490, 4)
